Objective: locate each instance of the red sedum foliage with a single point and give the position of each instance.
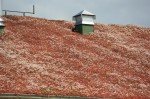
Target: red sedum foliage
(44, 57)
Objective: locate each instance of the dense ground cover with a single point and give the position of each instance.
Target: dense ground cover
(44, 57)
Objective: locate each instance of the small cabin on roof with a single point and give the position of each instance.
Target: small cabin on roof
(2, 26)
(84, 22)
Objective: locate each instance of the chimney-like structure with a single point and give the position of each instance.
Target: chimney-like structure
(2, 26)
(84, 22)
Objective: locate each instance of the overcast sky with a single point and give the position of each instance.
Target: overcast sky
(135, 12)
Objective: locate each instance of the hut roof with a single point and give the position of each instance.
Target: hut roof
(84, 12)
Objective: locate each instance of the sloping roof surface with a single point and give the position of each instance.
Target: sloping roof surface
(44, 57)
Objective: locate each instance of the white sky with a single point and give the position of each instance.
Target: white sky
(107, 11)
